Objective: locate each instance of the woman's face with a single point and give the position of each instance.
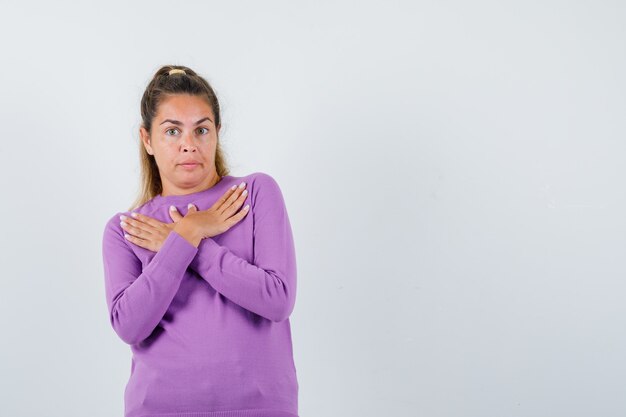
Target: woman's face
(183, 130)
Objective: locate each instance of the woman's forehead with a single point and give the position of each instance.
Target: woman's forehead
(185, 108)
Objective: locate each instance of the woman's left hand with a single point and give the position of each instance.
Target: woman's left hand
(148, 232)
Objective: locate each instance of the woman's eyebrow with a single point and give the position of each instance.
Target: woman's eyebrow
(176, 122)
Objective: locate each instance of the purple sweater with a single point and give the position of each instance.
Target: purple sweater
(208, 327)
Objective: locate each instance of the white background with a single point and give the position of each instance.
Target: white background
(453, 171)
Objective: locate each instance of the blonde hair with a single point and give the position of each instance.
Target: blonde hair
(167, 81)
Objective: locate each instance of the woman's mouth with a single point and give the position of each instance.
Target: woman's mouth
(189, 166)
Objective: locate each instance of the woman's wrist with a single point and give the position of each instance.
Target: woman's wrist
(188, 231)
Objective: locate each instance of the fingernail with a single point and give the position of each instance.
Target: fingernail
(133, 214)
(172, 208)
(233, 187)
(122, 217)
(190, 205)
(243, 184)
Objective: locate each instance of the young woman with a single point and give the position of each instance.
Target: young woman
(200, 278)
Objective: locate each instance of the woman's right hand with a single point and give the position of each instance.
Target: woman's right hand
(222, 215)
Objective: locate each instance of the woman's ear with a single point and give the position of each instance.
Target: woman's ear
(145, 139)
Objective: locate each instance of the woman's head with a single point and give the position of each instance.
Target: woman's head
(174, 101)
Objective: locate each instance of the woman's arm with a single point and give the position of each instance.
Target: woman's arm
(266, 287)
(136, 299)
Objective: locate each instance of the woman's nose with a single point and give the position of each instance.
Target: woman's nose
(188, 142)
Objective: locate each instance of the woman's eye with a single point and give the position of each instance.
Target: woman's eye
(204, 128)
(169, 130)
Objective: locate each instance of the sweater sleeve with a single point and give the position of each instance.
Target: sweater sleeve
(136, 299)
(267, 286)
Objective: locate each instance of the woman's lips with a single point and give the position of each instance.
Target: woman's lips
(189, 166)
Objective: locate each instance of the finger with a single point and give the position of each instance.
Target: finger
(137, 241)
(191, 208)
(135, 228)
(223, 198)
(140, 219)
(232, 200)
(149, 224)
(228, 194)
(175, 214)
(236, 204)
(240, 215)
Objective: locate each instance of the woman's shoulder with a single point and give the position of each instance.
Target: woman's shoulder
(264, 191)
(260, 178)
(260, 182)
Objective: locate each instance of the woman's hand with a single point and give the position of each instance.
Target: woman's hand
(150, 233)
(222, 215)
